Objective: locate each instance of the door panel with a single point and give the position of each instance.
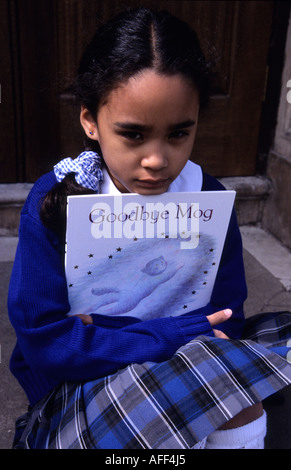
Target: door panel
(234, 35)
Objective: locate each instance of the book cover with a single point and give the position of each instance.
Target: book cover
(144, 256)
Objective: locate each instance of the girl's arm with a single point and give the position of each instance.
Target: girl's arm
(61, 347)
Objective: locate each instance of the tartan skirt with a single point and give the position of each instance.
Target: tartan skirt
(170, 405)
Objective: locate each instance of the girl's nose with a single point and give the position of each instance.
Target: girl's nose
(155, 160)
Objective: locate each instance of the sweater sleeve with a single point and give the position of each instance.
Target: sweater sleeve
(62, 347)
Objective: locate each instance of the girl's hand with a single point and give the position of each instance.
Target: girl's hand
(220, 334)
(214, 319)
(217, 318)
(86, 319)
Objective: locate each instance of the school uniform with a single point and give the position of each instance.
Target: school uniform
(124, 383)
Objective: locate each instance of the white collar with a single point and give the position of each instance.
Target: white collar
(190, 179)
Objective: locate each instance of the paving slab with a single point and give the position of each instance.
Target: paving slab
(270, 253)
(13, 401)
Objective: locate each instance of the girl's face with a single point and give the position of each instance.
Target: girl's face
(146, 131)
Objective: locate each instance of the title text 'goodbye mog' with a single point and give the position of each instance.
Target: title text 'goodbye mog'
(148, 220)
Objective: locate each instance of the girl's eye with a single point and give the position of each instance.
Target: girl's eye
(131, 135)
(178, 134)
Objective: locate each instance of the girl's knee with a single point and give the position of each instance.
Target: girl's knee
(244, 417)
(250, 435)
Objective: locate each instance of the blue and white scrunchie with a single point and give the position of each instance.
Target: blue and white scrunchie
(87, 168)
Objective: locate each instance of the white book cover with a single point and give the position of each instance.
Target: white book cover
(144, 256)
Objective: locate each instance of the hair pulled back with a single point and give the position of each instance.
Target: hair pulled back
(134, 40)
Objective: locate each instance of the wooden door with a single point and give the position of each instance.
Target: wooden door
(45, 38)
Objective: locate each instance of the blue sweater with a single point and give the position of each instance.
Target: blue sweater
(52, 348)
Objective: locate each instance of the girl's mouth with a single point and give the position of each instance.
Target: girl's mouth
(153, 183)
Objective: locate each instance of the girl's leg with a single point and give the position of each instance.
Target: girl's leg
(244, 417)
(246, 430)
(173, 404)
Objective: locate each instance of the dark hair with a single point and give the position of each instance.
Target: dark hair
(53, 206)
(134, 40)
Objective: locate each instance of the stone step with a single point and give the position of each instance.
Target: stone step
(251, 194)
(12, 198)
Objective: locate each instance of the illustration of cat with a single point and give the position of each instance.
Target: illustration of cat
(145, 279)
(156, 272)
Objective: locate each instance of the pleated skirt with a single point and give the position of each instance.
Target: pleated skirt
(170, 405)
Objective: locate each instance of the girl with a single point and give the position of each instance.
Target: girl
(117, 383)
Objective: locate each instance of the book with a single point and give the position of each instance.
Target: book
(144, 256)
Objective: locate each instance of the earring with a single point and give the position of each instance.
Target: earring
(91, 133)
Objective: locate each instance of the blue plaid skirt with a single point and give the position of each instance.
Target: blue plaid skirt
(169, 405)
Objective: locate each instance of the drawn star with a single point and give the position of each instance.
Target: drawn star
(204, 283)
(185, 306)
(70, 285)
(211, 249)
(90, 256)
(89, 272)
(110, 256)
(76, 267)
(118, 249)
(193, 292)
(135, 239)
(205, 272)
(213, 264)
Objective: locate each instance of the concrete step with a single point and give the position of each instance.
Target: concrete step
(269, 252)
(252, 191)
(12, 198)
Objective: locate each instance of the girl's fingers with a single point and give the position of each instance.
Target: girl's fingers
(220, 334)
(219, 317)
(86, 319)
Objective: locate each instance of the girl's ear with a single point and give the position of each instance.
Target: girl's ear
(88, 123)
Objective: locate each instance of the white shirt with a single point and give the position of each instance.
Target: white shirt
(190, 179)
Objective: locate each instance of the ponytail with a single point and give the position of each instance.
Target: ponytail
(54, 205)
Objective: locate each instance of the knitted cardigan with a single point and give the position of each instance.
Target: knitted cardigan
(53, 348)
